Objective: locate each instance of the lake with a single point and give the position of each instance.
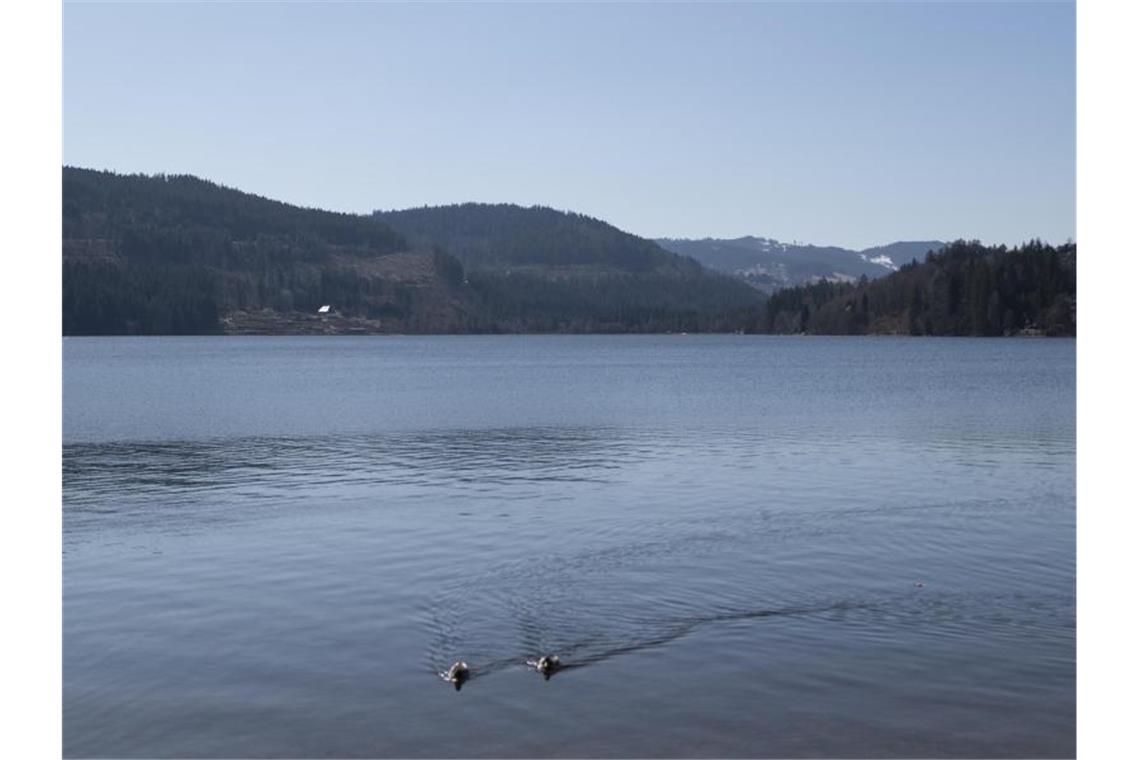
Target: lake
(738, 546)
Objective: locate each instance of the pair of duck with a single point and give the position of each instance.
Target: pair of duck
(459, 672)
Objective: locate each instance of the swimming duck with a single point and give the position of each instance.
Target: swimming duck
(547, 664)
(457, 674)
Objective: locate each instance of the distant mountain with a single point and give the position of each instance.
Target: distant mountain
(169, 254)
(963, 289)
(769, 265)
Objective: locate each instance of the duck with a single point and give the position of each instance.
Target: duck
(547, 664)
(457, 674)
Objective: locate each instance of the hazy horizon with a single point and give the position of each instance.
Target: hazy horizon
(845, 125)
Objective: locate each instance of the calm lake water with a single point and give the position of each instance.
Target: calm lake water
(272, 546)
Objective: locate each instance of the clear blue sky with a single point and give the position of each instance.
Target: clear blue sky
(845, 124)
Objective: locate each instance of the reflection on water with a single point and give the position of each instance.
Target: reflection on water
(491, 457)
(753, 554)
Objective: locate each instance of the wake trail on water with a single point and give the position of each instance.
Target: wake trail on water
(594, 605)
(613, 596)
(584, 647)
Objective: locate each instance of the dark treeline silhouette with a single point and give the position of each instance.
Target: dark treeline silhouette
(964, 289)
(528, 302)
(170, 254)
(540, 270)
(183, 219)
(495, 236)
(103, 299)
(179, 255)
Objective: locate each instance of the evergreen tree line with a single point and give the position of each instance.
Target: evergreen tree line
(963, 289)
(108, 298)
(177, 255)
(536, 269)
(101, 298)
(532, 302)
(184, 219)
(171, 254)
(494, 236)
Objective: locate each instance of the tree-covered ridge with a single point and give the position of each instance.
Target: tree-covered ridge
(502, 235)
(536, 269)
(193, 221)
(169, 254)
(176, 255)
(180, 255)
(964, 289)
(526, 301)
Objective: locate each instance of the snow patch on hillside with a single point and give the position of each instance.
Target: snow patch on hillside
(882, 260)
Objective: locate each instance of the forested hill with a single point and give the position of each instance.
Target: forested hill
(964, 289)
(171, 254)
(197, 221)
(502, 235)
(541, 270)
